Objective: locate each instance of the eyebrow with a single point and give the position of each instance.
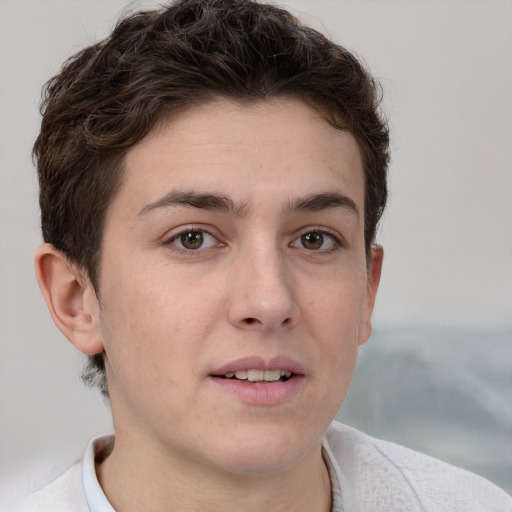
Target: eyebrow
(323, 201)
(212, 202)
(217, 202)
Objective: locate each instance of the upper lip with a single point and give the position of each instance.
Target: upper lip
(261, 363)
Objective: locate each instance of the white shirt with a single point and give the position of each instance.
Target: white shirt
(367, 475)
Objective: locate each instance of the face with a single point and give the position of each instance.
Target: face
(234, 288)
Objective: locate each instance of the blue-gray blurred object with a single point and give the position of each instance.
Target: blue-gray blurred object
(443, 391)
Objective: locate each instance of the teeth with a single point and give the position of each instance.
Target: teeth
(271, 375)
(259, 375)
(255, 375)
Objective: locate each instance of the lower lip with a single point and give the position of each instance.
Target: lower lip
(262, 393)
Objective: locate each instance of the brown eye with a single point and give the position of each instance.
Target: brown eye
(192, 239)
(312, 241)
(319, 241)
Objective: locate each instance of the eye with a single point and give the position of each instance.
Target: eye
(192, 240)
(316, 241)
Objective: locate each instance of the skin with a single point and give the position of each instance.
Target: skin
(273, 277)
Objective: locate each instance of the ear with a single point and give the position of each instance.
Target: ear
(70, 298)
(374, 272)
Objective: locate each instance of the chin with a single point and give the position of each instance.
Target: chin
(266, 449)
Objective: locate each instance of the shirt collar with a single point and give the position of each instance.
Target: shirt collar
(334, 476)
(94, 495)
(98, 502)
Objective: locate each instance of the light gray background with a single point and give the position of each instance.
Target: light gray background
(446, 70)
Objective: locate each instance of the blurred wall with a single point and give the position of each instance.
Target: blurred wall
(445, 68)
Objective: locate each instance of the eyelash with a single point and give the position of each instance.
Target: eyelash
(170, 241)
(337, 241)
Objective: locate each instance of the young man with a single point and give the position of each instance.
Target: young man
(212, 176)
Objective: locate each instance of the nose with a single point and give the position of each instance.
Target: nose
(263, 295)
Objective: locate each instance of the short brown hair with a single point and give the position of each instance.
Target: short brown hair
(156, 63)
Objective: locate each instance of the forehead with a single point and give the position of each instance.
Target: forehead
(281, 145)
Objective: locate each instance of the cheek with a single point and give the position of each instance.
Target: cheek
(334, 318)
(156, 318)
(335, 338)
(335, 310)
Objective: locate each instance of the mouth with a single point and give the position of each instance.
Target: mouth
(262, 376)
(258, 380)
(260, 369)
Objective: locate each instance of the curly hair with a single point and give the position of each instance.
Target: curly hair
(158, 63)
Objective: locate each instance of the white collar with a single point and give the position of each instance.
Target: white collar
(98, 502)
(94, 495)
(334, 476)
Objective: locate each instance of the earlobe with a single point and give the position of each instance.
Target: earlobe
(70, 298)
(374, 273)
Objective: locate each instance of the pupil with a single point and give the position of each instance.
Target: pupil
(192, 240)
(312, 240)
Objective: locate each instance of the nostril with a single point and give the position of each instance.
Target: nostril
(252, 321)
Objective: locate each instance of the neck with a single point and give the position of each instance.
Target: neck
(139, 480)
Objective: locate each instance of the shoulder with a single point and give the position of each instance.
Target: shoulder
(65, 494)
(391, 477)
(78, 489)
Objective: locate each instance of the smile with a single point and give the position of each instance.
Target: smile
(260, 381)
(259, 375)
